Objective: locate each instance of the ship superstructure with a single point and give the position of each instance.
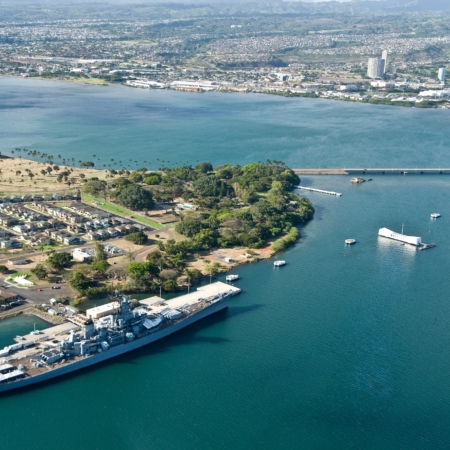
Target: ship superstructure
(118, 328)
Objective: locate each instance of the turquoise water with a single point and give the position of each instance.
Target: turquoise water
(126, 124)
(343, 348)
(19, 326)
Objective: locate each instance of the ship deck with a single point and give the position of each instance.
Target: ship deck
(157, 304)
(51, 337)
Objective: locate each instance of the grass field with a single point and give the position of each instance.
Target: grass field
(120, 211)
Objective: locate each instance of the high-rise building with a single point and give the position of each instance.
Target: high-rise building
(375, 68)
(384, 57)
(441, 74)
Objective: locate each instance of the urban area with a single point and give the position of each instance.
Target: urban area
(388, 57)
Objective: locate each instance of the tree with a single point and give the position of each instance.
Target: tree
(79, 282)
(3, 269)
(93, 187)
(100, 266)
(168, 274)
(170, 285)
(39, 271)
(204, 167)
(100, 254)
(152, 179)
(188, 227)
(135, 197)
(58, 261)
(207, 186)
(138, 238)
(136, 177)
(87, 164)
(139, 270)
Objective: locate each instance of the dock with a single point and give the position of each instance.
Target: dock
(319, 191)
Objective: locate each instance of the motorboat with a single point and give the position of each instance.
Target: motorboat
(232, 277)
(279, 263)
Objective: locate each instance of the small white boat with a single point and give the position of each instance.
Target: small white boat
(350, 241)
(232, 277)
(435, 215)
(279, 263)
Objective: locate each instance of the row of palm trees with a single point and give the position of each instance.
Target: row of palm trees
(38, 156)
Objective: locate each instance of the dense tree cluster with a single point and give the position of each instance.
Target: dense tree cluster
(246, 205)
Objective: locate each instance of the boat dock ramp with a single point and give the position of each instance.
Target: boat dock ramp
(320, 191)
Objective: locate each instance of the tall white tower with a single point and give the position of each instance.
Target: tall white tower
(384, 57)
(375, 68)
(441, 74)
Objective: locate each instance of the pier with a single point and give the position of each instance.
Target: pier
(320, 191)
(374, 171)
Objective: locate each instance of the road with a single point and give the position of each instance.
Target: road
(38, 295)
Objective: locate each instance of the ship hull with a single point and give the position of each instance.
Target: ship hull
(117, 351)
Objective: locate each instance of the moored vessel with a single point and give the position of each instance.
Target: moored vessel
(232, 277)
(279, 263)
(350, 241)
(435, 215)
(105, 333)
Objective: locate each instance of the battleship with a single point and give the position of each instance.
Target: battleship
(104, 333)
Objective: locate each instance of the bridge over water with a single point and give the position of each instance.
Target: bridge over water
(374, 171)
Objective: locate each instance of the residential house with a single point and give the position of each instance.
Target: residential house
(71, 240)
(93, 236)
(112, 232)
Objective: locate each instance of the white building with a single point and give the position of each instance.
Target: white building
(147, 84)
(435, 94)
(102, 311)
(195, 85)
(441, 74)
(348, 87)
(375, 68)
(384, 57)
(382, 84)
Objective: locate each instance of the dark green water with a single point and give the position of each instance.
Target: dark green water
(344, 348)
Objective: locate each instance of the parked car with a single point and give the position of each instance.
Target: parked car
(56, 287)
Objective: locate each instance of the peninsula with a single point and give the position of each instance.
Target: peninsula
(90, 232)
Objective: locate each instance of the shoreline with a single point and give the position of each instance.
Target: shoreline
(33, 311)
(427, 104)
(226, 258)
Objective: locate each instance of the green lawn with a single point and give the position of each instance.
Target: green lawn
(19, 274)
(120, 210)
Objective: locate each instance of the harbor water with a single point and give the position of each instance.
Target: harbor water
(345, 347)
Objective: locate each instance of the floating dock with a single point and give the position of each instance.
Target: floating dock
(319, 191)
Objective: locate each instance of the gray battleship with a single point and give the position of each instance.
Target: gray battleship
(104, 333)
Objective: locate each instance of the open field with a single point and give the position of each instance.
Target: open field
(119, 210)
(14, 183)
